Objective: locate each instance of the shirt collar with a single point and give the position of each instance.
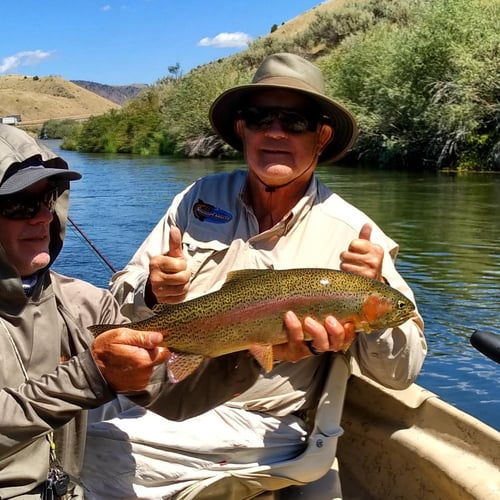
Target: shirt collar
(297, 213)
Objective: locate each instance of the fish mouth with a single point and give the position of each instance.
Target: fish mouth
(411, 315)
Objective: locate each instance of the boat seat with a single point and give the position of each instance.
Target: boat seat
(315, 469)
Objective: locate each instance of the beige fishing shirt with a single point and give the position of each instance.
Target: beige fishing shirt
(221, 233)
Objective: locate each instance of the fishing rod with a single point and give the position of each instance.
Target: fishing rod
(87, 239)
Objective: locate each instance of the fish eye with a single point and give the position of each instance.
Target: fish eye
(401, 304)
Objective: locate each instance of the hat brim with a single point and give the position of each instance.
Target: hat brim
(28, 176)
(223, 114)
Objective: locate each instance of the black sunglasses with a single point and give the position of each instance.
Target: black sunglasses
(292, 122)
(23, 206)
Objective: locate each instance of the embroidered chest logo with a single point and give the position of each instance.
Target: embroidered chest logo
(208, 213)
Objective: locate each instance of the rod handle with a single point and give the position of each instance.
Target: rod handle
(487, 343)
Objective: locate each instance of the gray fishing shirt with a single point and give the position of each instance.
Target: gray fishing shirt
(48, 378)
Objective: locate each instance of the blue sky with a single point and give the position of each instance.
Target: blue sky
(131, 41)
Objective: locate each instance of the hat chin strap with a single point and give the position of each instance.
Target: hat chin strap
(312, 165)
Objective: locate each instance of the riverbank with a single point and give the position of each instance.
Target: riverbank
(420, 77)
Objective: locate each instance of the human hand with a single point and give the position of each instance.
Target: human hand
(329, 336)
(169, 275)
(363, 257)
(126, 357)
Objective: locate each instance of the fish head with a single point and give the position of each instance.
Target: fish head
(386, 308)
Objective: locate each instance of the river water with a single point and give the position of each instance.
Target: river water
(447, 225)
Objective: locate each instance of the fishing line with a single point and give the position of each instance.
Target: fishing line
(87, 239)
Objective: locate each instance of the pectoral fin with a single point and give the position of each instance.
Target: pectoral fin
(180, 365)
(264, 355)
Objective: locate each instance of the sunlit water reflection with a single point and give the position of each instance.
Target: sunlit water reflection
(447, 226)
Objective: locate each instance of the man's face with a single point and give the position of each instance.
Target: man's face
(26, 241)
(278, 153)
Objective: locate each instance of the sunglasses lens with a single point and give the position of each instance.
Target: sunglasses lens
(296, 123)
(293, 122)
(257, 119)
(26, 206)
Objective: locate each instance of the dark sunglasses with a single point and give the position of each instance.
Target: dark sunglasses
(292, 122)
(23, 206)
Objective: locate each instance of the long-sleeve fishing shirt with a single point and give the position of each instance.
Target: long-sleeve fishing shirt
(220, 233)
(48, 377)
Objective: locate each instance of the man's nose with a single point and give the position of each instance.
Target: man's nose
(44, 214)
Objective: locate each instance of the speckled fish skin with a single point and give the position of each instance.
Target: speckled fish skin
(249, 309)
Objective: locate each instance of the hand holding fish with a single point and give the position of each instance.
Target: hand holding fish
(126, 357)
(363, 257)
(328, 336)
(169, 275)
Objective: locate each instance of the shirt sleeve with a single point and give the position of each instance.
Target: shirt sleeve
(393, 357)
(41, 405)
(215, 382)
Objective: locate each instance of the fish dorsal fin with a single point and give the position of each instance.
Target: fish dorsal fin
(244, 274)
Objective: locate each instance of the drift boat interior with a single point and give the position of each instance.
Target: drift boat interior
(411, 444)
(389, 445)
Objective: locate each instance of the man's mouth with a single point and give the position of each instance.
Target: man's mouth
(36, 238)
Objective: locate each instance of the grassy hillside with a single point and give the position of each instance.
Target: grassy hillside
(421, 76)
(300, 23)
(40, 99)
(115, 93)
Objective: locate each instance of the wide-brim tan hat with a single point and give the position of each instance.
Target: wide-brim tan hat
(286, 71)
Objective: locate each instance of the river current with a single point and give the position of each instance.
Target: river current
(447, 226)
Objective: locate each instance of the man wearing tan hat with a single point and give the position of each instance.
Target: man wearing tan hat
(274, 214)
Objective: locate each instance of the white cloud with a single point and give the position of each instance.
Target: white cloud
(236, 39)
(25, 58)
(105, 8)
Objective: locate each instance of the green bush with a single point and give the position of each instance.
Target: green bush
(59, 129)
(424, 91)
(421, 76)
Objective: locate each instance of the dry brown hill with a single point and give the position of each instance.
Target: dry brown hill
(302, 21)
(40, 99)
(118, 94)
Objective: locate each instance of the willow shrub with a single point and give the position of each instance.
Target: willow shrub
(133, 129)
(426, 93)
(185, 108)
(422, 77)
(58, 129)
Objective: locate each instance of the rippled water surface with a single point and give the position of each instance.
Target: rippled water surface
(447, 226)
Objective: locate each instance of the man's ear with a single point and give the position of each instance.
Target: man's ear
(326, 134)
(239, 126)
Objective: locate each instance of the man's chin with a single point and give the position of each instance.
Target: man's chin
(278, 171)
(40, 261)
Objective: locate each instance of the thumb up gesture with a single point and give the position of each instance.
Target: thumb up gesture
(363, 257)
(169, 275)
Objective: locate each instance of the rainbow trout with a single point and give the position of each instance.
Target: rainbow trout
(249, 308)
